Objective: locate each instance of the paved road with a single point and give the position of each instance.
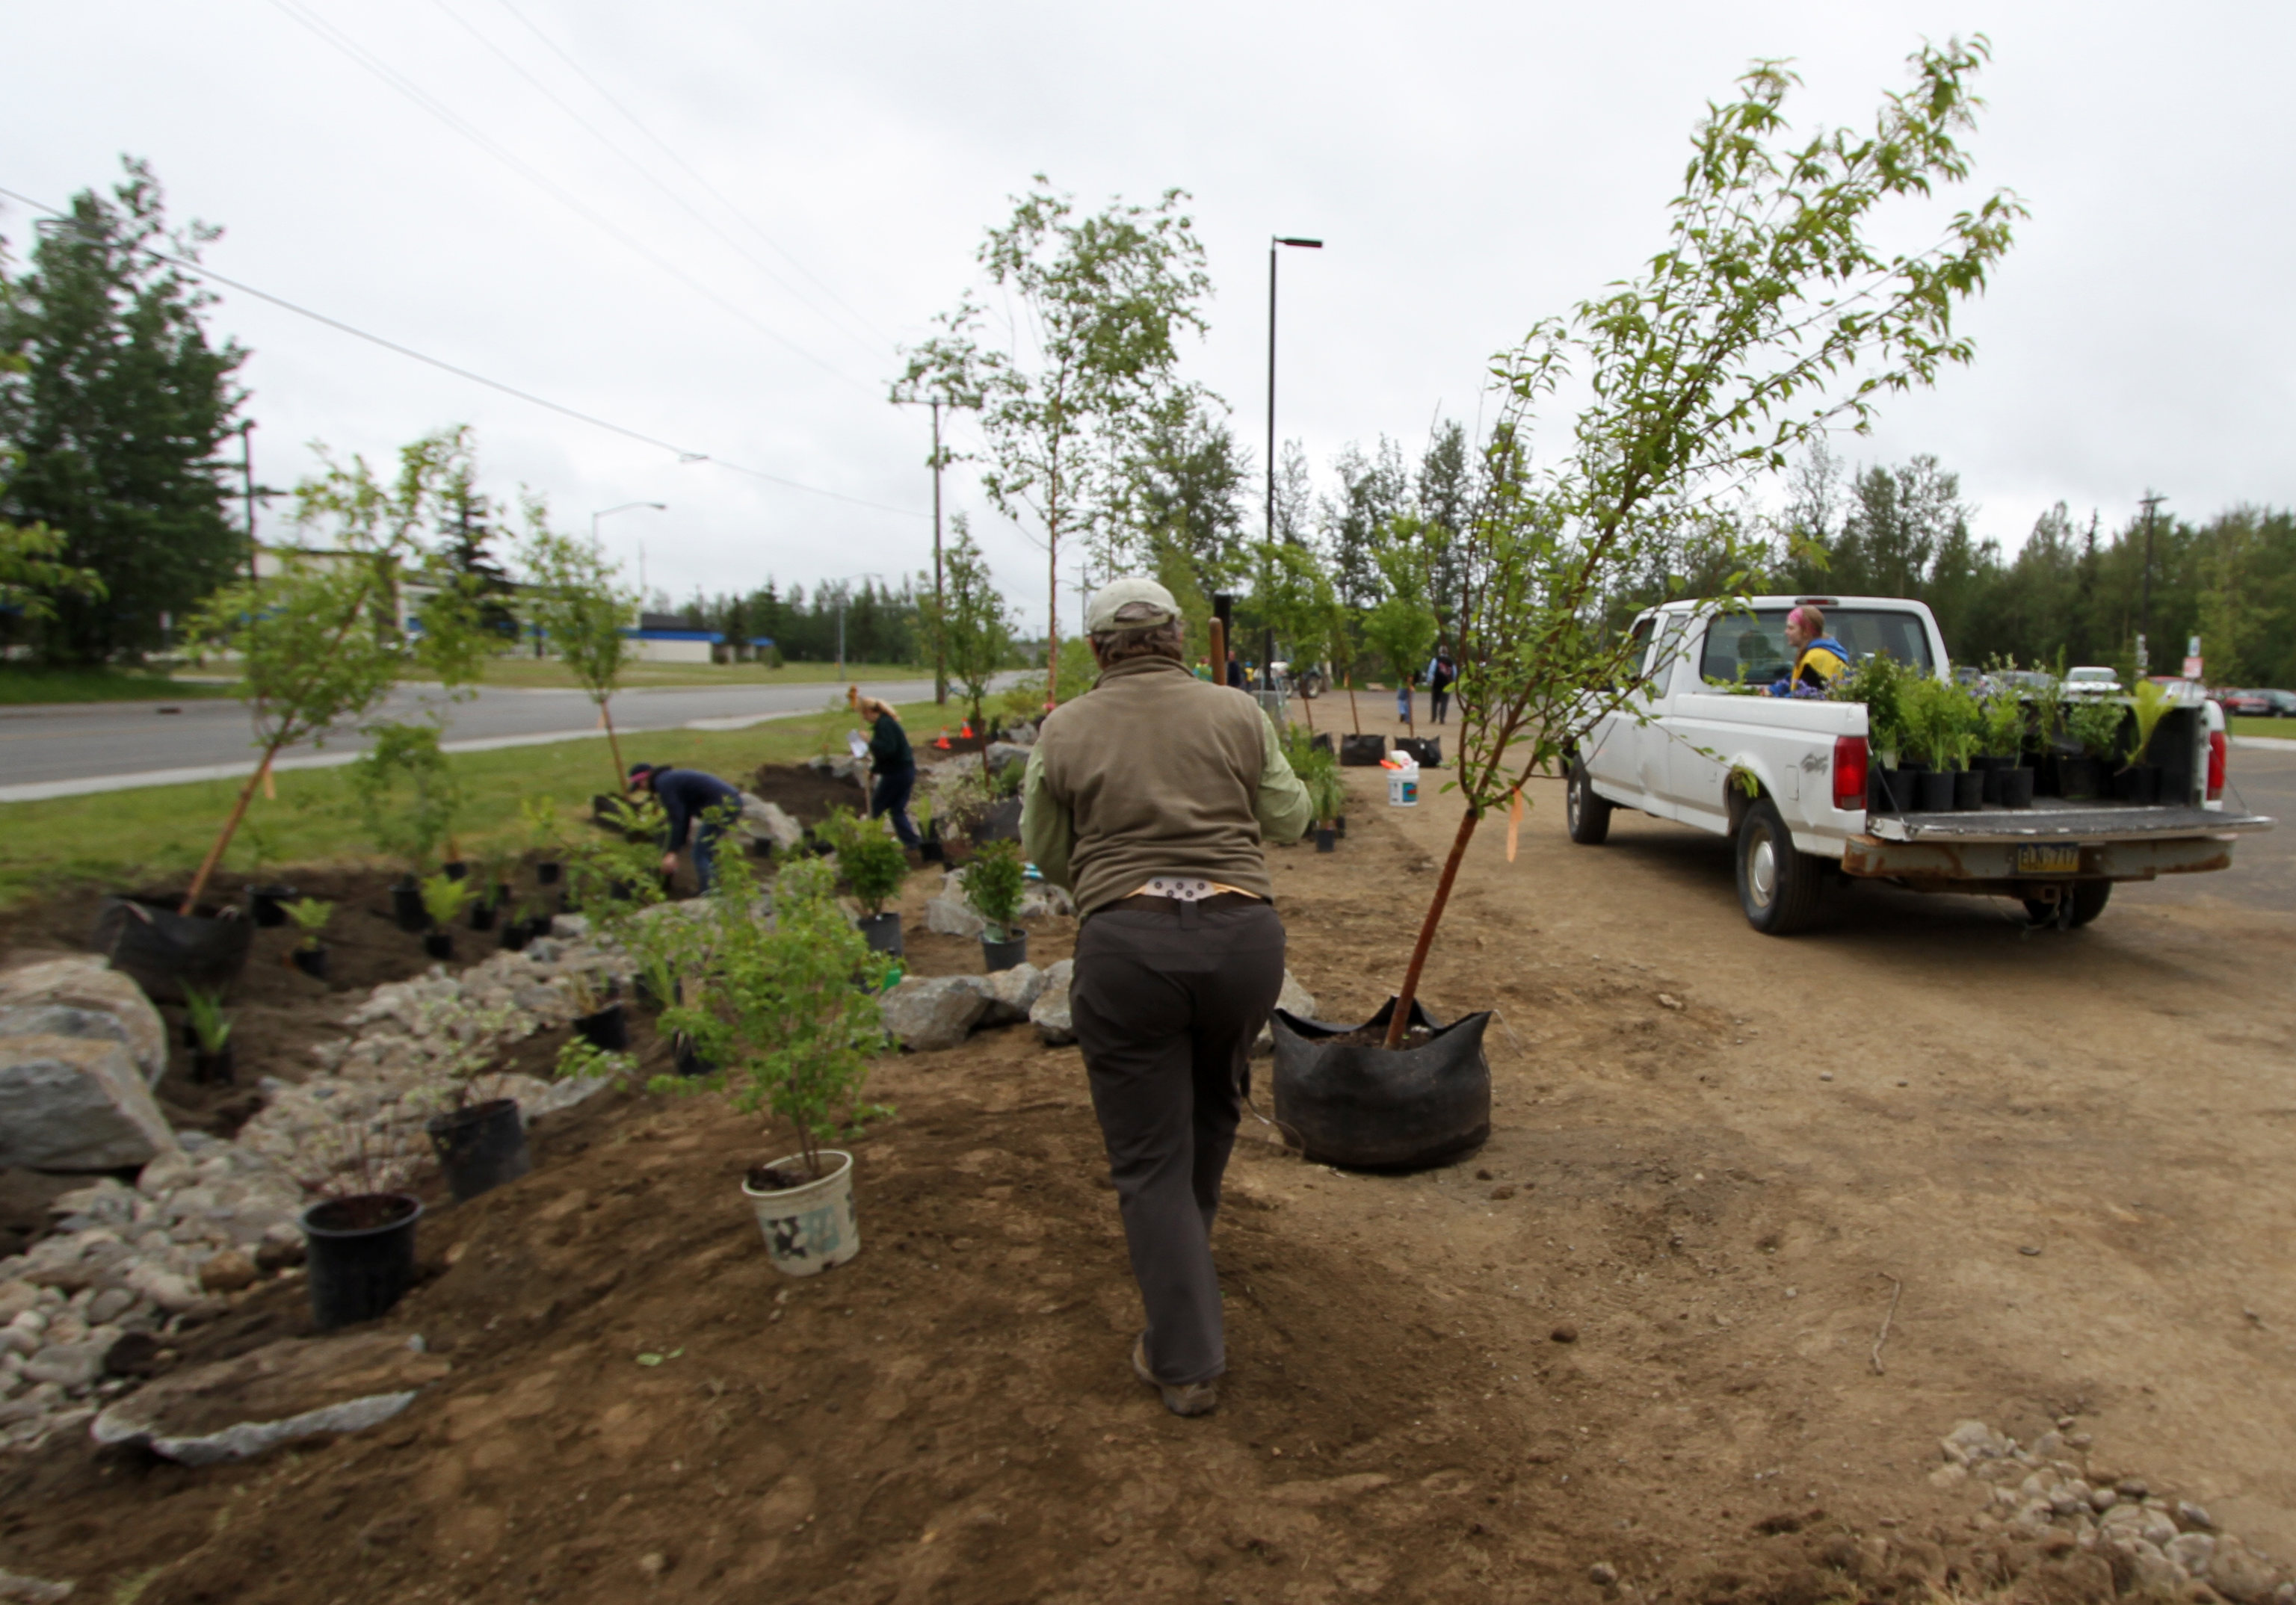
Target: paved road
(63, 750)
(2263, 873)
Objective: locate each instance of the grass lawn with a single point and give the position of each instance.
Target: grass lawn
(549, 672)
(21, 683)
(157, 835)
(2283, 729)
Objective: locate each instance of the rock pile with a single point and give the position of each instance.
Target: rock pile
(2057, 1492)
(86, 1312)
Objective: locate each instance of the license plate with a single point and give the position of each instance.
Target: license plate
(2055, 858)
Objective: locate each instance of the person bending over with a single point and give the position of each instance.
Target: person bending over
(1150, 799)
(894, 765)
(699, 805)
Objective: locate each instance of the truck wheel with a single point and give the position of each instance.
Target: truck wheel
(1587, 815)
(1777, 886)
(2088, 898)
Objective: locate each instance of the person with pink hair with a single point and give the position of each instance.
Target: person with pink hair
(1819, 658)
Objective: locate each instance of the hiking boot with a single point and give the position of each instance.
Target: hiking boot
(1195, 1398)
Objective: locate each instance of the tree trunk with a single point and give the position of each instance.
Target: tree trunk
(1354, 712)
(230, 826)
(1307, 709)
(1397, 1026)
(614, 745)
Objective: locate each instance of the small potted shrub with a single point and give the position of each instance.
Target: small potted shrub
(266, 902)
(600, 1020)
(2137, 780)
(545, 836)
(1328, 795)
(994, 884)
(478, 1133)
(444, 897)
(1879, 682)
(490, 893)
(875, 867)
(2095, 727)
(786, 1016)
(929, 846)
(361, 1230)
(2001, 738)
(210, 1033)
(310, 915)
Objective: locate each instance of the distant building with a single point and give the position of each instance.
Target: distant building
(668, 638)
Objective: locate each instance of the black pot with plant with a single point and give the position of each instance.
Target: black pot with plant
(608, 1027)
(1348, 1100)
(360, 1255)
(1935, 789)
(438, 944)
(163, 949)
(1968, 790)
(995, 883)
(480, 1146)
(875, 867)
(207, 1029)
(406, 905)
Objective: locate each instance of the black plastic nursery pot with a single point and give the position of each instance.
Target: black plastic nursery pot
(268, 904)
(1327, 839)
(605, 809)
(1892, 791)
(688, 1059)
(1968, 790)
(882, 932)
(482, 916)
(438, 944)
(2136, 783)
(1935, 789)
(163, 952)
(2016, 787)
(1362, 751)
(311, 961)
(608, 1029)
(1425, 750)
(407, 906)
(2080, 779)
(1321, 741)
(362, 1255)
(931, 850)
(515, 935)
(545, 873)
(1374, 1107)
(1009, 954)
(456, 869)
(214, 1070)
(479, 1148)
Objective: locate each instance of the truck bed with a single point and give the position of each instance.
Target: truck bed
(2054, 819)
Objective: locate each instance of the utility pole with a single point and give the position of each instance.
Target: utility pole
(940, 599)
(2151, 499)
(247, 489)
(1273, 244)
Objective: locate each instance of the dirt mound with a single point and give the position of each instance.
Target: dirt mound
(805, 794)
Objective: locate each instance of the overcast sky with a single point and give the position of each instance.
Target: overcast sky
(1472, 167)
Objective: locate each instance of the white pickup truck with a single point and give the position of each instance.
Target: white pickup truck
(1787, 778)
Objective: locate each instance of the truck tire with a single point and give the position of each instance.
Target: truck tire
(1777, 885)
(1587, 815)
(2088, 898)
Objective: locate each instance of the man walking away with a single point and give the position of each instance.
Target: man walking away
(1150, 799)
(698, 805)
(1441, 676)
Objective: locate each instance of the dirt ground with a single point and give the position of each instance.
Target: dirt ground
(2070, 1150)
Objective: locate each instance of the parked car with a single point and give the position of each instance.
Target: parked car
(2257, 704)
(2284, 704)
(2092, 682)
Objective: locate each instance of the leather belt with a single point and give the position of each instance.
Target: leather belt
(1151, 902)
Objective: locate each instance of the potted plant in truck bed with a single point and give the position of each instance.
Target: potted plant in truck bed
(2094, 724)
(785, 1011)
(995, 883)
(2137, 780)
(2001, 740)
(1769, 317)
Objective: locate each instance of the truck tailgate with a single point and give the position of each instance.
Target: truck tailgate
(2050, 820)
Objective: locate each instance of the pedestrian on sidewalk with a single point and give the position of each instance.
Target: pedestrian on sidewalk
(894, 764)
(1151, 799)
(700, 805)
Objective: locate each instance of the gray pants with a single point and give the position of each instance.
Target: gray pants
(1167, 998)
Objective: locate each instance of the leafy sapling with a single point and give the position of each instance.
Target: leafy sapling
(310, 915)
(211, 1026)
(995, 883)
(444, 897)
(875, 867)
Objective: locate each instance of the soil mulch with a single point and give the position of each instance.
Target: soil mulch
(805, 794)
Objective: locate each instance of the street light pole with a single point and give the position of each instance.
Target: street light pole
(2150, 499)
(1275, 242)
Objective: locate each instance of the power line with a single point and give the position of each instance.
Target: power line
(646, 173)
(683, 454)
(330, 34)
(685, 168)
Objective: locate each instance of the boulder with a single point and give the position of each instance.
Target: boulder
(1294, 1000)
(90, 987)
(947, 913)
(233, 1409)
(1012, 994)
(1050, 1012)
(770, 822)
(76, 1104)
(925, 1014)
(1001, 756)
(2241, 1574)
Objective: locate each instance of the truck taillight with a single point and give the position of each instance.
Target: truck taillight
(2215, 765)
(1850, 772)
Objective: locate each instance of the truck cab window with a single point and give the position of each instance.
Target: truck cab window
(1750, 649)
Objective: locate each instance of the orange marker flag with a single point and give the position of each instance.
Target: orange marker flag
(1515, 821)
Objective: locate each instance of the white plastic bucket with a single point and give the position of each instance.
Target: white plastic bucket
(1403, 788)
(810, 1228)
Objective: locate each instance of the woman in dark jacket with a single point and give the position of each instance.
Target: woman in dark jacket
(894, 765)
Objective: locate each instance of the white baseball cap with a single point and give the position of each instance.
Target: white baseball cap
(1100, 613)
